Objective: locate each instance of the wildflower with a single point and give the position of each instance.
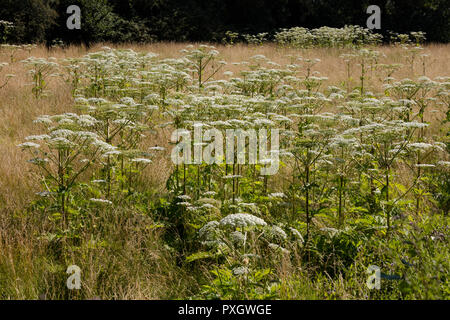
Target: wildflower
(44, 193)
(297, 234)
(156, 148)
(207, 206)
(112, 153)
(64, 133)
(413, 124)
(208, 229)
(100, 201)
(277, 195)
(238, 271)
(232, 176)
(420, 146)
(141, 160)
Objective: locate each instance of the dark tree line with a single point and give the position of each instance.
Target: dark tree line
(208, 20)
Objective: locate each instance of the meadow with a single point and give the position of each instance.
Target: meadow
(86, 176)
